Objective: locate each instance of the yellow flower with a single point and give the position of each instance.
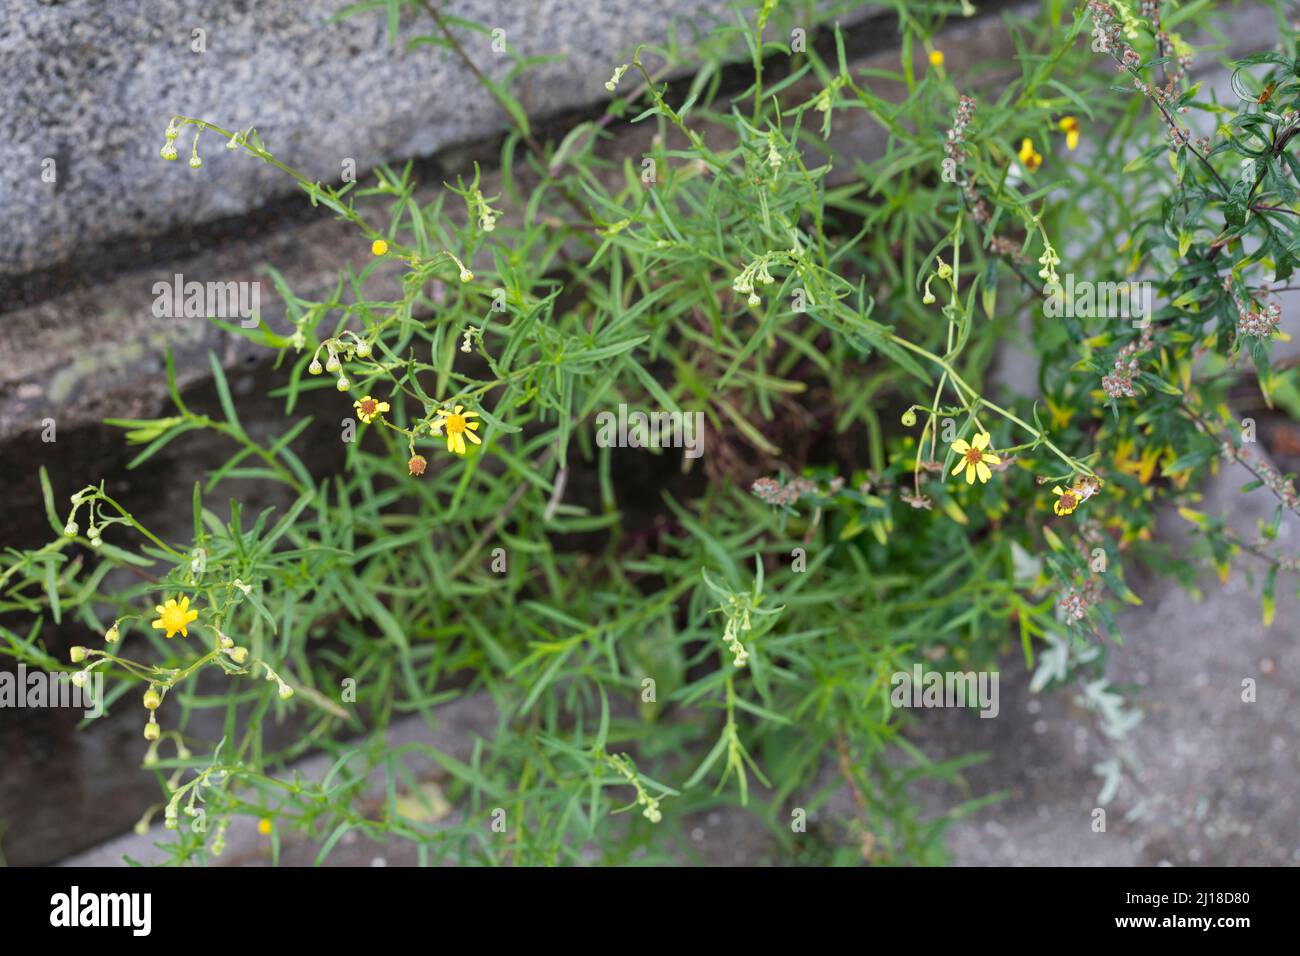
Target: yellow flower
(264, 826)
(1067, 502)
(379, 247)
(458, 428)
(1142, 467)
(1030, 158)
(936, 58)
(173, 617)
(974, 458)
(1070, 127)
(367, 408)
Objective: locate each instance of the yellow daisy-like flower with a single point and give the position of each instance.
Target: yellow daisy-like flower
(458, 427)
(368, 408)
(1030, 158)
(173, 617)
(1067, 501)
(974, 458)
(936, 58)
(379, 247)
(1070, 127)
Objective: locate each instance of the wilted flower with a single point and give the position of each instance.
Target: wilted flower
(1030, 158)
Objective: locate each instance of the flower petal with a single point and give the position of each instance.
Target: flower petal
(960, 465)
(474, 438)
(960, 446)
(970, 474)
(992, 459)
(983, 471)
(981, 441)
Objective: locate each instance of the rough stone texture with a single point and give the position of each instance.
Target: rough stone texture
(94, 85)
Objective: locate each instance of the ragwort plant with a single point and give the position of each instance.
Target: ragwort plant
(661, 639)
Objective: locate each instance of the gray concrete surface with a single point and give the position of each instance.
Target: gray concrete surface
(92, 86)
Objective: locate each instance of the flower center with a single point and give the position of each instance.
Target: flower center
(369, 407)
(455, 424)
(974, 456)
(1068, 500)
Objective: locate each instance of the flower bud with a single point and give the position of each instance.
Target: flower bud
(342, 384)
(151, 699)
(909, 418)
(379, 247)
(168, 152)
(152, 730)
(78, 654)
(416, 466)
(315, 367)
(285, 691)
(238, 654)
(195, 162)
(71, 529)
(111, 636)
(363, 350)
(79, 678)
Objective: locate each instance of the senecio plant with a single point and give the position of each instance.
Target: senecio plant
(668, 635)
